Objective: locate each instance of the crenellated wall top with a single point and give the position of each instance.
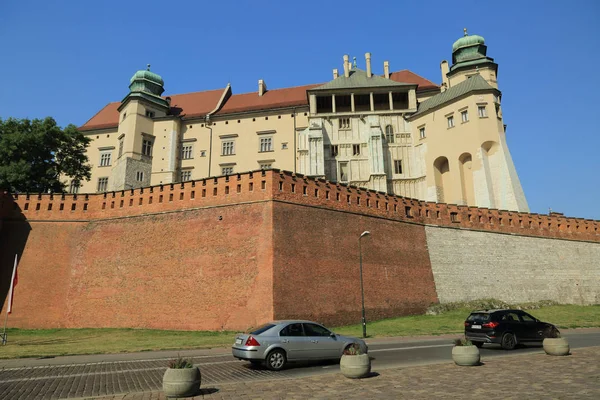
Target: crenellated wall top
(284, 186)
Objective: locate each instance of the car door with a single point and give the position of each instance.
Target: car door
(513, 324)
(325, 345)
(295, 343)
(532, 328)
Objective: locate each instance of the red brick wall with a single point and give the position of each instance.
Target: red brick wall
(316, 266)
(206, 269)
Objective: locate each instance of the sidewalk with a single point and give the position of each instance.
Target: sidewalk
(526, 376)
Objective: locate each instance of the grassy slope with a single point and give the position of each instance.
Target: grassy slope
(55, 342)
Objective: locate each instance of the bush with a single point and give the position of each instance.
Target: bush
(180, 363)
(352, 350)
(486, 304)
(551, 332)
(462, 342)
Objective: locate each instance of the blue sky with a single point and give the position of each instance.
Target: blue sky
(67, 59)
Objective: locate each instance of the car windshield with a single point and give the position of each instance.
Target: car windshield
(479, 317)
(262, 329)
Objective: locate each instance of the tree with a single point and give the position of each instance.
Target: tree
(35, 154)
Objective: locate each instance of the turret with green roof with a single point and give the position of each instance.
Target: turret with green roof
(147, 85)
(469, 51)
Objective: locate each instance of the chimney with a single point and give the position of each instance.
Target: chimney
(386, 69)
(346, 66)
(368, 58)
(262, 87)
(335, 73)
(445, 70)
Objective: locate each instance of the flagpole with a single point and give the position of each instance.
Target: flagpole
(9, 305)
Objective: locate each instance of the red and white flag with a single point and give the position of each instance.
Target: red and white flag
(13, 283)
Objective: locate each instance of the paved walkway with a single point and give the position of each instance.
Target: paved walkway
(527, 376)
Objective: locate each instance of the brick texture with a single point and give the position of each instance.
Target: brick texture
(233, 252)
(316, 266)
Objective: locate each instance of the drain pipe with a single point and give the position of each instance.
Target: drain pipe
(207, 122)
(295, 144)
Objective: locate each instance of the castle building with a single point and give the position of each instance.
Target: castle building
(396, 132)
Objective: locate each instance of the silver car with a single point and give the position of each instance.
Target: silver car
(278, 342)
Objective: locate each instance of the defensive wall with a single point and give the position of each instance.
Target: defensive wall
(232, 252)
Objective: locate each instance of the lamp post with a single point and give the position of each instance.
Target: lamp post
(362, 292)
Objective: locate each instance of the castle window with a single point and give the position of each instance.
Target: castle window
(481, 111)
(356, 149)
(102, 185)
(187, 152)
(422, 133)
(74, 186)
(202, 153)
(389, 134)
(139, 176)
(266, 144)
(334, 150)
(284, 146)
(344, 172)
(451, 122)
(226, 170)
(186, 175)
(464, 116)
(121, 143)
(266, 166)
(124, 115)
(105, 158)
(344, 123)
(150, 114)
(228, 148)
(397, 166)
(147, 147)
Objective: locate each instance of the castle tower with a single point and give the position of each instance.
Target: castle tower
(462, 135)
(469, 57)
(143, 104)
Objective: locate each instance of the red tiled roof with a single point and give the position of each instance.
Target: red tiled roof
(277, 98)
(188, 104)
(407, 76)
(201, 103)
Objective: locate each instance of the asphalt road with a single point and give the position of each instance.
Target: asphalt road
(66, 377)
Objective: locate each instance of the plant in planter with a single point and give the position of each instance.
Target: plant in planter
(181, 379)
(465, 353)
(354, 363)
(553, 343)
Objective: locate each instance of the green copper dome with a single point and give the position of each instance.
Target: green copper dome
(149, 75)
(147, 81)
(147, 85)
(467, 40)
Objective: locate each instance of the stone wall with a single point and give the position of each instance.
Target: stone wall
(232, 252)
(469, 265)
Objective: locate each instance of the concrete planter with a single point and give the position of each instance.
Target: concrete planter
(356, 366)
(181, 382)
(466, 356)
(556, 346)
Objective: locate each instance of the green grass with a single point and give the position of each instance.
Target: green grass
(57, 342)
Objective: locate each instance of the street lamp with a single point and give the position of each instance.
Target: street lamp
(362, 293)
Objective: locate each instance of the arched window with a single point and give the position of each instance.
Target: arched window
(389, 134)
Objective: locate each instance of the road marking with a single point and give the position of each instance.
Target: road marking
(411, 348)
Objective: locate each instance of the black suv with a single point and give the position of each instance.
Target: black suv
(506, 327)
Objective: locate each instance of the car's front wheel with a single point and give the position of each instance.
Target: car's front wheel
(276, 360)
(509, 342)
